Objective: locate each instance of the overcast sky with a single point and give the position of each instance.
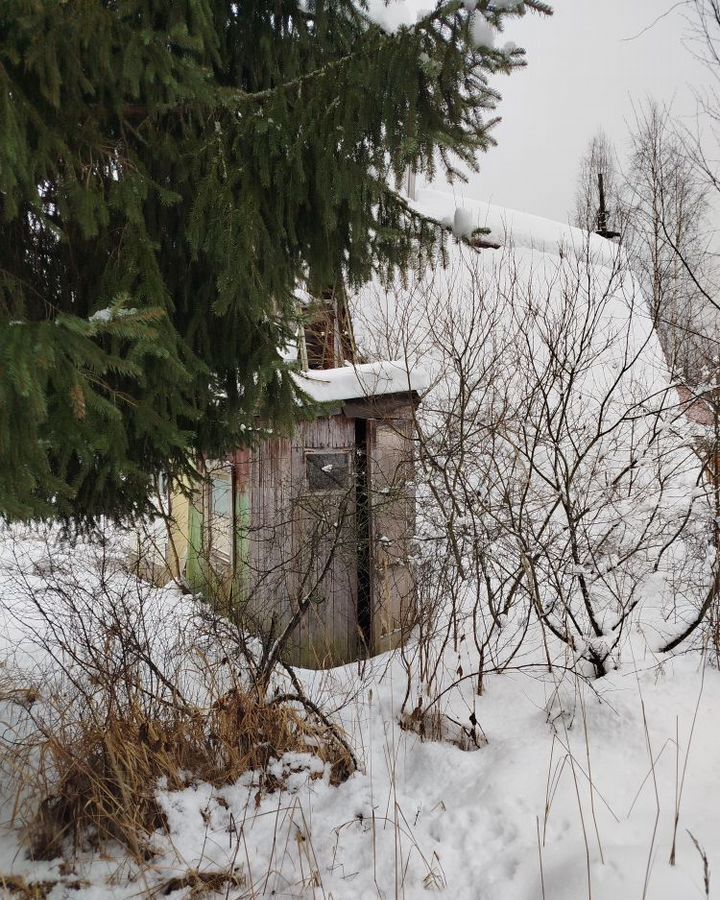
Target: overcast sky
(584, 69)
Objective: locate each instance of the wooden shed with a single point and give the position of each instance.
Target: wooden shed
(312, 533)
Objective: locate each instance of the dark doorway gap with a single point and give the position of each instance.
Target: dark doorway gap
(362, 517)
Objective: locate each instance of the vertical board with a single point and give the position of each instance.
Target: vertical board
(269, 539)
(193, 567)
(242, 559)
(178, 534)
(392, 498)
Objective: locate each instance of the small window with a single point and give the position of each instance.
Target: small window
(328, 471)
(222, 497)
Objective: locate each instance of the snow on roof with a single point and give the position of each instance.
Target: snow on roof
(509, 227)
(352, 382)
(539, 263)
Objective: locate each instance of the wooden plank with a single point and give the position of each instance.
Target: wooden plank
(263, 498)
(386, 406)
(193, 567)
(392, 526)
(243, 521)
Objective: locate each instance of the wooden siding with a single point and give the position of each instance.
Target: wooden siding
(392, 498)
(292, 539)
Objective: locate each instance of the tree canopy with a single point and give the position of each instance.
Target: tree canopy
(170, 172)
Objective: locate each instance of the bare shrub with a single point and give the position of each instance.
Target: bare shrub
(561, 498)
(115, 688)
(433, 725)
(96, 780)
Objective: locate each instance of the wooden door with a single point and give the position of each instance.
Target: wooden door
(327, 539)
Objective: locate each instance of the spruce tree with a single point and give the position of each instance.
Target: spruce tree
(170, 172)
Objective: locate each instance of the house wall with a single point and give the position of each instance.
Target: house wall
(296, 536)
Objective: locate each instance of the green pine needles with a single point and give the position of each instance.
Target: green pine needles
(170, 172)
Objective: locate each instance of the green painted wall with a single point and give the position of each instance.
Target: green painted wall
(194, 568)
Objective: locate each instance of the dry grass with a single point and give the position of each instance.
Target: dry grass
(16, 886)
(433, 725)
(201, 884)
(91, 781)
(117, 694)
(196, 884)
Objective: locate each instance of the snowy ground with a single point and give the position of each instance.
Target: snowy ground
(577, 782)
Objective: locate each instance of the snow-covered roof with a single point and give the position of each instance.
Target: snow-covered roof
(352, 382)
(509, 227)
(537, 258)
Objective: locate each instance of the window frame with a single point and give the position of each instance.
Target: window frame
(347, 483)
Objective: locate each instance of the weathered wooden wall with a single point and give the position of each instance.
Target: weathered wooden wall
(390, 451)
(298, 539)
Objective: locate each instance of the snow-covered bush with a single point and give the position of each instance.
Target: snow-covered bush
(561, 490)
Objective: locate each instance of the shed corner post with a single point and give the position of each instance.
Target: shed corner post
(193, 567)
(242, 512)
